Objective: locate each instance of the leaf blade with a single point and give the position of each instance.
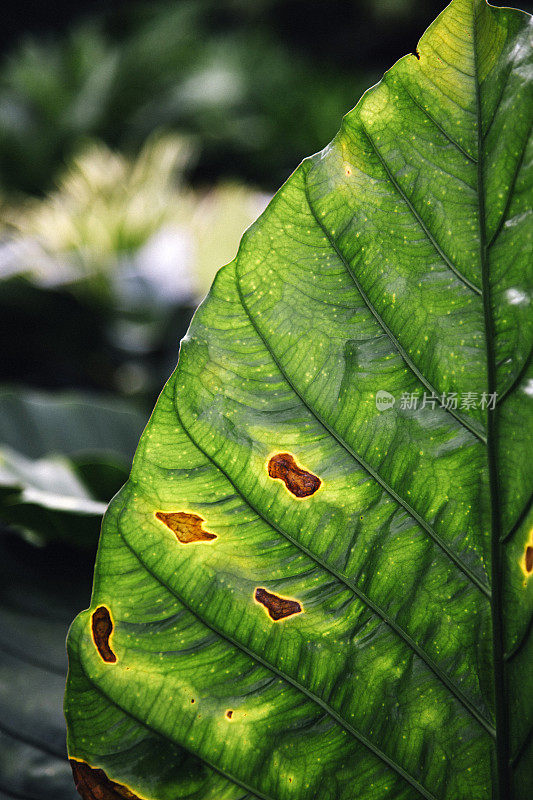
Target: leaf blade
(389, 549)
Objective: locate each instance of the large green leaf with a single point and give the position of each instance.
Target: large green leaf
(310, 592)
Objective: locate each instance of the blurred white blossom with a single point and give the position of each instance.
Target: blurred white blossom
(128, 228)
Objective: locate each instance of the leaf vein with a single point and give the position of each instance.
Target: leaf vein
(509, 198)
(147, 726)
(416, 215)
(395, 342)
(519, 520)
(296, 684)
(438, 125)
(514, 382)
(521, 642)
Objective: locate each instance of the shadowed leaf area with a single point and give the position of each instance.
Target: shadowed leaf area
(350, 418)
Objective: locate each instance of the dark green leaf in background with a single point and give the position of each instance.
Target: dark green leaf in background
(305, 588)
(36, 423)
(40, 589)
(62, 457)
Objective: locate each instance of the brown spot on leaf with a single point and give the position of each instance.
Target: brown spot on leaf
(529, 559)
(277, 607)
(102, 628)
(93, 784)
(229, 713)
(187, 527)
(297, 480)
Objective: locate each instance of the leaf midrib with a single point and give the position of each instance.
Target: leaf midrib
(507, 763)
(504, 782)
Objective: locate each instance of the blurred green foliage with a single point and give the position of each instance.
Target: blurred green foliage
(62, 457)
(254, 105)
(257, 84)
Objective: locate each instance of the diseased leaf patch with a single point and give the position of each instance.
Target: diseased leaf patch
(277, 607)
(297, 480)
(187, 527)
(93, 784)
(102, 628)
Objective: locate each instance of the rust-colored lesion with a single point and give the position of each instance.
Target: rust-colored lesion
(229, 713)
(298, 481)
(187, 527)
(526, 560)
(93, 784)
(102, 628)
(277, 607)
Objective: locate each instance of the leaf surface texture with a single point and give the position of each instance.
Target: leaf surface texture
(358, 624)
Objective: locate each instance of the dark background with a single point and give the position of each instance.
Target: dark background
(346, 28)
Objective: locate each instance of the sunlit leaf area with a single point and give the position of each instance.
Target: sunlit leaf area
(265, 400)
